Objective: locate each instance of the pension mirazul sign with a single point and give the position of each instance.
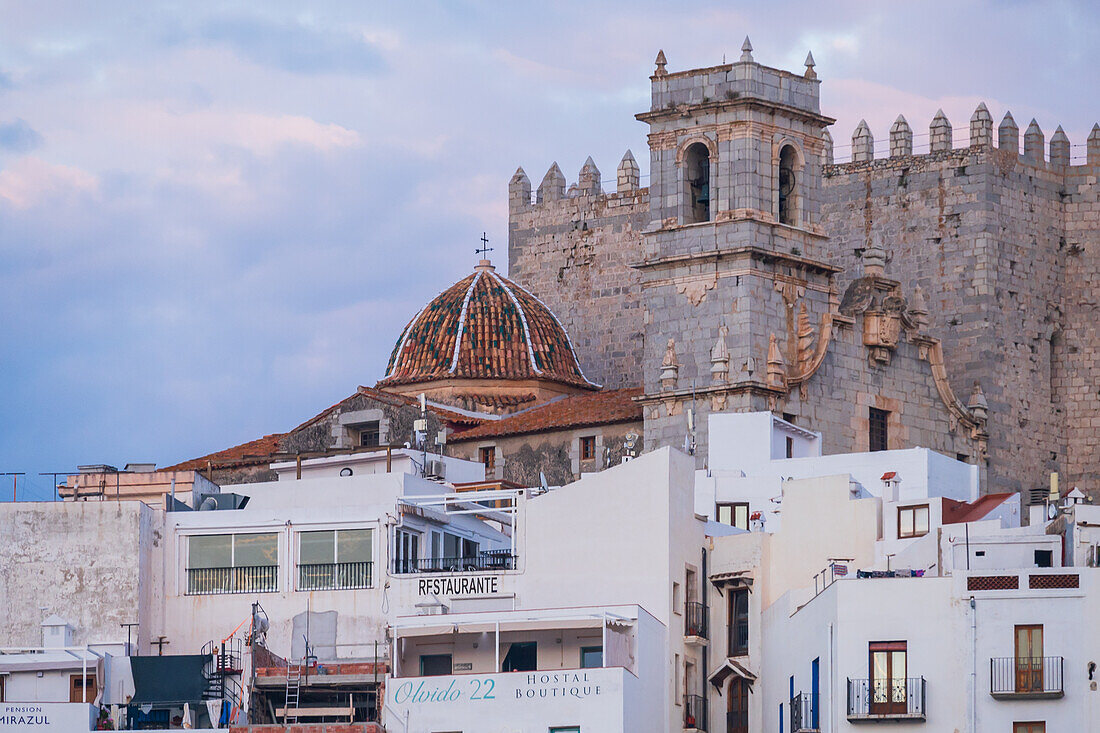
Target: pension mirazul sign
(475, 585)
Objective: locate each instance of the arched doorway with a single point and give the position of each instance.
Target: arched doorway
(737, 706)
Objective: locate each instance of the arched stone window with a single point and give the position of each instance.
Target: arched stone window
(790, 193)
(696, 177)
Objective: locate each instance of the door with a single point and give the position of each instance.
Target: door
(815, 688)
(82, 692)
(888, 667)
(1029, 658)
(1029, 728)
(737, 706)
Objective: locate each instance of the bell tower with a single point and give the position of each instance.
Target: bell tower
(731, 271)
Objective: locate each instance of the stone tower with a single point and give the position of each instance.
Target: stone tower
(732, 253)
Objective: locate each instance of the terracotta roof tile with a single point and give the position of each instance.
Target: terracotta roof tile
(253, 452)
(958, 512)
(599, 408)
(484, 327)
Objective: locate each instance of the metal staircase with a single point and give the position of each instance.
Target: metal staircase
(222, 671)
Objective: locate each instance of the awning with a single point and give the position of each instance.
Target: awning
(728, 668)
(736, 579)
(173, 679)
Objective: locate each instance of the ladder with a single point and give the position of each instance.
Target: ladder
(293, 689)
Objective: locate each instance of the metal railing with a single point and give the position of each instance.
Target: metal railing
(738, 637)
(804, 712)
(335, 576)
(1032, 676)
(489, 560)
(894, 698)
(695, 713)
(695, 619)
(244, 579)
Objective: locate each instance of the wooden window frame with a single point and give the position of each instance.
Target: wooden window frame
(588, 447)
(488, 456)
(1032, 726)
(733, 505)
(732, 618)
(370, 428)
(915, 533)
(877, 419)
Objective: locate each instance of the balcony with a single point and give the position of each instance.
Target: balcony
(490, 560)
(804, 713)
(335, 576)
(245, 579)
(695, 713)
(1021, 678)
(695, 623)
(871, 700)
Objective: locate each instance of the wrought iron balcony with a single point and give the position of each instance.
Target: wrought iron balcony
(484, 561)
(893, 699)
(335, 576)
(245, 579)
(695, 713)
(804, 713)
(1026, 677)
(695, 620)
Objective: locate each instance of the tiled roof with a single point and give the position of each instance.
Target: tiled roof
(484, 327)
(599, 408)
(253, 452)
(958, 512)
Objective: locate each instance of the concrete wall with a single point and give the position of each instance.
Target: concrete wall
(95, 564)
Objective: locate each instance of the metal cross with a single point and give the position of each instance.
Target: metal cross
(484, 248)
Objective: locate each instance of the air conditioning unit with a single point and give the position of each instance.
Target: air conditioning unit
(435, 470)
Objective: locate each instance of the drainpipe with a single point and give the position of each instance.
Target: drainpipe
(973, 665)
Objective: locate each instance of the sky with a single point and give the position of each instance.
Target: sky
(216, 217)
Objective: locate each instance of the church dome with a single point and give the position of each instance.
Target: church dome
(485, 327)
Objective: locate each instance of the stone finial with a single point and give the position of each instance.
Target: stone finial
(939, 133)
(746, 51)
(1008, 134)
(977, 403)
(1033, 143)
(863, 143)
(627, 174)
(810, 73)
(874, 261)
(827, 138)
(918, 308)
(661, 63)
(981, 127)
(670, 367)
(588, 180)
(519, 190)
(901, 138)
(552, 187)
(805, 340)
(777, 373)
(1059, 148)
(1092, 146)
(720, 358)
(573, 192)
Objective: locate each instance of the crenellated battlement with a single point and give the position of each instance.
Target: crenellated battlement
(589, 185)
(940, 140)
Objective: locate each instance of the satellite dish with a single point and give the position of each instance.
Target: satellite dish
(346, 471)
(1052, 511)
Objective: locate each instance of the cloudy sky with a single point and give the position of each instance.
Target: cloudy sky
(216, 217)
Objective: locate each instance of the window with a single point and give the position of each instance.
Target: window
(696, 177)
(406, 551)
(790, 447)
(591, 657)
(888, 661)
(588, 448)
(1029, 658)
(567, 729)
(488, 457)
(738, 622)
(521, 657)
(962, 458)
(1029, 727)
(735, 514)
(788, 186)
(1044, 558)
(876, 429)
(232, 563)
(369, 435)
(334, 558)
(677, 602)
(435, 665)
(912, 521)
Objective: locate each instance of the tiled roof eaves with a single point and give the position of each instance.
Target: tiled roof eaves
(600, 408)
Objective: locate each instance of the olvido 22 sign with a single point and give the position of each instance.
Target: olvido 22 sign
(570, 684)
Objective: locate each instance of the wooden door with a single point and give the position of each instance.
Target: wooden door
(77, 691)
(737, 706)
(1029, 658)
(888, 667)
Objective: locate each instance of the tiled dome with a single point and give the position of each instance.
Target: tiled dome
(484, 327)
